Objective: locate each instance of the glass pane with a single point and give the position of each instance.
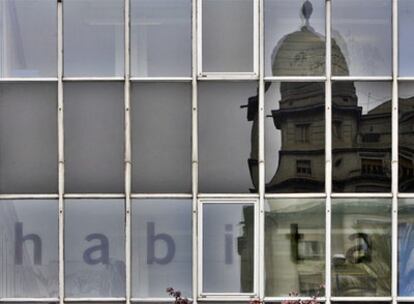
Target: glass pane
(294, 38)
(406, 42)
(228, 247)
(29, 248)
(227, 36)
(406, 247)
(94, 137)
(228, 143)
(294, 246)
(295, 137)
(94, 248)
(361, 136)
(161, 247)
(161, 38)
(361, 32)
(361, 247)
(161, 137)
(406, 137)
(93, 37)
(24, 52)
(28, 138)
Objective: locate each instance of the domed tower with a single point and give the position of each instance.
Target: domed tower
(301, 113)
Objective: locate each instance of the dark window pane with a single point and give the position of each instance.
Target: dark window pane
(228, 143)
(227, 35)
(406, 42)
(361, 137)
(24, 52)
(295, 137)
(294, 246)
(28, 138)
(93, 37)
(29, 248)
(94, 137)
(161, 137)
(361, 247)
(161, 247)
(361, 32)
(406, 247)
(294, 44)
(228, 247)
(94, 248)
(161, 38)
(406, 137)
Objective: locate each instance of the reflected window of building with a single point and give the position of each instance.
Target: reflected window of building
(294, 37)
(228, 137)
(29, 265)
(28, 138)
(160, 38)
(22, 55)
(361, 44)
(161, 246)
(228, 266)
(337, 129)
(361, 247)
(294, 127)
(93, 38)
(406, 137)
(94, 248)
(228, 36)
(364, 149)
(294, 246)
(161, 137)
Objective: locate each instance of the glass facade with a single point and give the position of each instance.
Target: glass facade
(230, 149)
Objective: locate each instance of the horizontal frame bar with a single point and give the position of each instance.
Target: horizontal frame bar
(295, 79)
(161, 79)
(295, 195)
(361, 195)
(280, 299)
(361, 78)
(361, 299)
(94, 299)
(97, 79)
(94, 195)
(40, 300)
(228, 195)
(33, 79)
(161, 195)
(28, 196)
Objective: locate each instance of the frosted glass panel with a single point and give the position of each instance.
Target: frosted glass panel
(161, 38)
(93, 37)
(28, 38)
(29, 248)
(161, 247)
(227, 35)
(228, 129)
(228, 247)
(94, 248)
(28, 138)
(94, 137)
(161, 137)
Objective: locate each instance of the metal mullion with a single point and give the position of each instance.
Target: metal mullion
(161, 79)
(361, 299)
(194, 146)
(295, 78)
(98, 299)
(93, 195)
(328, 151)
(90, 79)
(161, 195)
(260, 268)
(127, 152)
(61, 156)
(28, 196)
(361, 78)
(394, 138)
(294, 195)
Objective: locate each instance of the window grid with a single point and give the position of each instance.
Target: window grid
(259, 49)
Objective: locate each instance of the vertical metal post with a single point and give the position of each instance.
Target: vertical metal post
(394, 168)
(194, 154)
(261, 254)
(127, 160)
(61, 158)
(328, 152)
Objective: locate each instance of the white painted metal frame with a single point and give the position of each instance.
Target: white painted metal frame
(223, 296)
(200, 199)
